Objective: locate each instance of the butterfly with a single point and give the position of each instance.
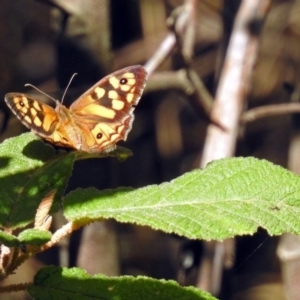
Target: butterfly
(95, 122)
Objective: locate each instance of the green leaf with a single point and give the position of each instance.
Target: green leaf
(229, 197)
(30, 169)
(53, 283)
(9, 240)
(121, 153)
(34, 236)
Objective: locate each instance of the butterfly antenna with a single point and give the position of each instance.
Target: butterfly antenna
(62, 99)
(28, 84)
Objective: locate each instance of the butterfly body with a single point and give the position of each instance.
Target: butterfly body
(95, 122)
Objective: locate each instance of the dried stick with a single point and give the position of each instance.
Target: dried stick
(234, 82)
(228, 107)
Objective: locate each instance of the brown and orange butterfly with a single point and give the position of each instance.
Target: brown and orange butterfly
(95, 122)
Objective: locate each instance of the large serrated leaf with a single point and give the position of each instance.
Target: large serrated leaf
(53, 283)
(229, 197)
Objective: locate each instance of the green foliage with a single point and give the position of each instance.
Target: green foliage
(229, 197)
(61, 283)
(9, 240)
(34, 236)
(30, 170)
(29, 236)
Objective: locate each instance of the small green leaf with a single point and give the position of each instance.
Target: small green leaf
(121, 153)
(62, 283)
(9, 240)
(229, 197)
(31, 236)
(34, 236)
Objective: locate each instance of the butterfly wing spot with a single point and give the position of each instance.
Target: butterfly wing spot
(117, 104)
(128, 75)
(114, 81)
(109, 133)
(21, 104)
(98, 110)
(23, 101)
(22, 108)
(130, 97)
(27, 119)
(113, 95)
(37, 106)
(101, 130)
(33, 112)
(123, 81)
(98, 93)
(37, 122)
(126, 87)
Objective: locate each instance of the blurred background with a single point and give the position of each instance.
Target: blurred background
(45, 42)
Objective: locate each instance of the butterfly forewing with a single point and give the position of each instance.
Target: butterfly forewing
(35, 115)
(113, 97)
(107, 107)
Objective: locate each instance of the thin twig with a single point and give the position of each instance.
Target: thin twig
(270, 110)
(31, 250)
(15, 287)
(201, 95)
(161, 54)
(167, 45)
(64, 231)
(183, 23)
(188, 41)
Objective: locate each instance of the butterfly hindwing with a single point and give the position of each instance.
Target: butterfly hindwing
(102, 137)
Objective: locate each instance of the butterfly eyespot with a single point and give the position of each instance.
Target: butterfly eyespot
(123, 81)
(22, 104)
(99, 136)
